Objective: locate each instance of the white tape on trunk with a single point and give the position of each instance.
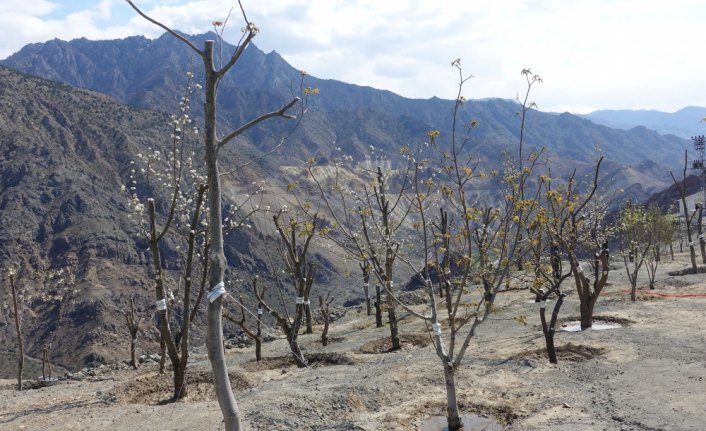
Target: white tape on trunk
(216, 292)
(259, 311)
(299, 300)
(436, 327)
(161, 304)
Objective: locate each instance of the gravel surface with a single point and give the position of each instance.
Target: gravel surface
(648, 374)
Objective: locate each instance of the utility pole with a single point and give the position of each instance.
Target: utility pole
(698, 163)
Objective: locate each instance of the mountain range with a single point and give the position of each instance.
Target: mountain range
(685, 123)
(74, 115)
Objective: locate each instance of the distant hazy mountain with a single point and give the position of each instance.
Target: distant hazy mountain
(685, 123)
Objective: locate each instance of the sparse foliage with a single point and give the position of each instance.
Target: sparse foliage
(636, 240)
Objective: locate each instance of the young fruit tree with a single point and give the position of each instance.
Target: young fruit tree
(133, 325)
(663, 230)
(484, 239)
(255, 333)
(369, 217)
(213, 144)
(365, 268)
(636, 240)
(578, 225)
(173, 183)
(296, 236)
(548, 269)
(325, 310)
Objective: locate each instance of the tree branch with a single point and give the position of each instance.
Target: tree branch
(279, 113)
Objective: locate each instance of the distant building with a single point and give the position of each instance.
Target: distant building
(691, 202)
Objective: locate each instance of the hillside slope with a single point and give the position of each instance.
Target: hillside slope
(64, 155)
(147, 73)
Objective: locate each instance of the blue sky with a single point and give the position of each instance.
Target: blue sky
(592, 54)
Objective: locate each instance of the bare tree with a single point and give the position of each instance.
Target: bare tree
(243, 322)
(681, 189)
(365, 267)
(301, 271)
(46, 363)
(325, 309)
(217, 261)
(133, 326)
(369, 226)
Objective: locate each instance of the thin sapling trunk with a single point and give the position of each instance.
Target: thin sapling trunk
(325, 308)
(18, 329)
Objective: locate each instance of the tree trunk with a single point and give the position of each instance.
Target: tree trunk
(179, 381)
(366, 290)
(296, 351)
(692, 256)
(162, 354)
(551, 350)
(133, 353)
(586, 315)
(217, 260)
(325, 316)
(44, 364)
(258, 349)
(633, 288)
(307, 310)
(324, 333)
(699, 229)
(18, 329)
(452, 415)
(550, 329)
(392, 316)
(378, 307)
(258, 333)
(293, 338)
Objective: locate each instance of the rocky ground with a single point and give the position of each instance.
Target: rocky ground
(648, 374)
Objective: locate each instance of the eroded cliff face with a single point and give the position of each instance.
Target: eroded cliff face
(65, 154)
(63, 157)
